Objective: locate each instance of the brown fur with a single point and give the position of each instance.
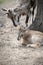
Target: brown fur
(30, 34)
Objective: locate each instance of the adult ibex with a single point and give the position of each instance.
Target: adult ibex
(26, 7)
(30, 37)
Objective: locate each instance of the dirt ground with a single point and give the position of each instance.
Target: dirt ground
(10, 51)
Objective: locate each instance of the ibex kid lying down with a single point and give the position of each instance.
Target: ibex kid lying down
(31, 38)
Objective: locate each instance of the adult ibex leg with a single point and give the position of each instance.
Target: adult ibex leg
(18, 19)
(13, 22)
(27, 17)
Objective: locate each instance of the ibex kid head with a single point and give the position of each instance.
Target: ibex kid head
(21, 32)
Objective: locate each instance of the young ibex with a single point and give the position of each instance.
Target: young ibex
(30, 37)
(26, 7)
